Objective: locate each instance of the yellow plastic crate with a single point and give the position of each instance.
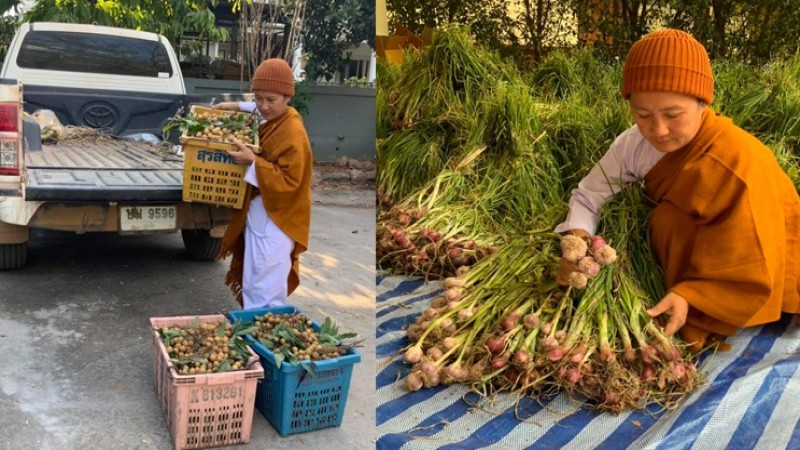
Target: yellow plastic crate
(210, 175)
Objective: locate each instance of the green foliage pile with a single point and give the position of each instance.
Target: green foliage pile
(476, 161)
(476, 150)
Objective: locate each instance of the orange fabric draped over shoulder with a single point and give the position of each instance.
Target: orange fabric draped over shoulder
(726, 229)
(283, 169)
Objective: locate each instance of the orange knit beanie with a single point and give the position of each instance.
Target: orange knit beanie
(668, 61)
(274, 75)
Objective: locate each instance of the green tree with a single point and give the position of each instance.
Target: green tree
(331, 27)
(489, 20)
(753, 30)
(171, 18)
(708, 22)
(8, 28)
(542, 24)
(612, 26)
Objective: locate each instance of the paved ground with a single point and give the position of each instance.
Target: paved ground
(76, 368)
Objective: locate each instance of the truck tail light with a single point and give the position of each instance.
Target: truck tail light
(9, 157)
(9, 138)
(9, 117)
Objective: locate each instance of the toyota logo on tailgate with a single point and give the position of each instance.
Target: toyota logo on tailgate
(99, 115)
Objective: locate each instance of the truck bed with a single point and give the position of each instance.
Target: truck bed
(103, 169)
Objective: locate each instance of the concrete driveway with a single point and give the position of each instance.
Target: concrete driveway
(75, 344)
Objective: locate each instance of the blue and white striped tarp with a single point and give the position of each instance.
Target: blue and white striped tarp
(750, 399)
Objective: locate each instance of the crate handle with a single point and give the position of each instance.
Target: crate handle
(225, 378)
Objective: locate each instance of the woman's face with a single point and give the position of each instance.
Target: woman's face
(271, 105)
(666, 119)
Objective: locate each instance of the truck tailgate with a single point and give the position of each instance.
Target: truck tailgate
(103, 169)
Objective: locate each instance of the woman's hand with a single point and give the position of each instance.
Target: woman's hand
(567, 267)
(676, 308)
(226, 106)
(244, 155)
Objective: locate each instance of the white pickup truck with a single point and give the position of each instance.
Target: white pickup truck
(122, 81)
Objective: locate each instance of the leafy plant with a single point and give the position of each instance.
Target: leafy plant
(224, 128)
(333, 27)
(292, 338)
(207, 347)
(329, 334)
(301, 100)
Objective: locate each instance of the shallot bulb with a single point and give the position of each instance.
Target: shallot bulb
(496, 344)
(413, 382)
(449, 343)
(434, 353)
(499, 362)
(466, 313)
(455, 372)
(413, 354)
(430, 381)
(598, 242)
(451, 282)
(530, 321)
(522, 357)
(549, 342)
(509, 322)
(555, 354)
(454, 293)
(588, 266)
(578, 280)
(605, 255)
(429, 368)
(573, 248)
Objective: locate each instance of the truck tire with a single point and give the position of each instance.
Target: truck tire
(13, 256)
(200, 245)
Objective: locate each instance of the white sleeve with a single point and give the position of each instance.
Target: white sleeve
(247, 106)
(628, 159)
(250, 174)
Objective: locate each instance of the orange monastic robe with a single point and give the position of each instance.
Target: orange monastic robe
(283, 169)
(726, 230)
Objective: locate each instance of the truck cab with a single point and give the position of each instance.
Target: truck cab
(120, 82)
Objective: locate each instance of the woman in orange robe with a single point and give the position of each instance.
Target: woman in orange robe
(726, 228)
(266, 237)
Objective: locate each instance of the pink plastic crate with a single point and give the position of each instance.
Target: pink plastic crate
(204, 410)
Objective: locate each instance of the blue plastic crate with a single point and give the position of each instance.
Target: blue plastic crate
(291, 399)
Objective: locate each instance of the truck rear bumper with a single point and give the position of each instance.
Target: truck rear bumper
(98, 217)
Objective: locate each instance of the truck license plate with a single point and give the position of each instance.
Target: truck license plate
(147, 218)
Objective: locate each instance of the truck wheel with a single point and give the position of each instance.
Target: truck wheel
(13, 256)
(200, 245)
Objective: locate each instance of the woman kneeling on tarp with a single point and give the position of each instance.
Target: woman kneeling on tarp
(726, 228)
(266, 237)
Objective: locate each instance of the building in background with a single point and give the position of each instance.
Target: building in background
(228, 60)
